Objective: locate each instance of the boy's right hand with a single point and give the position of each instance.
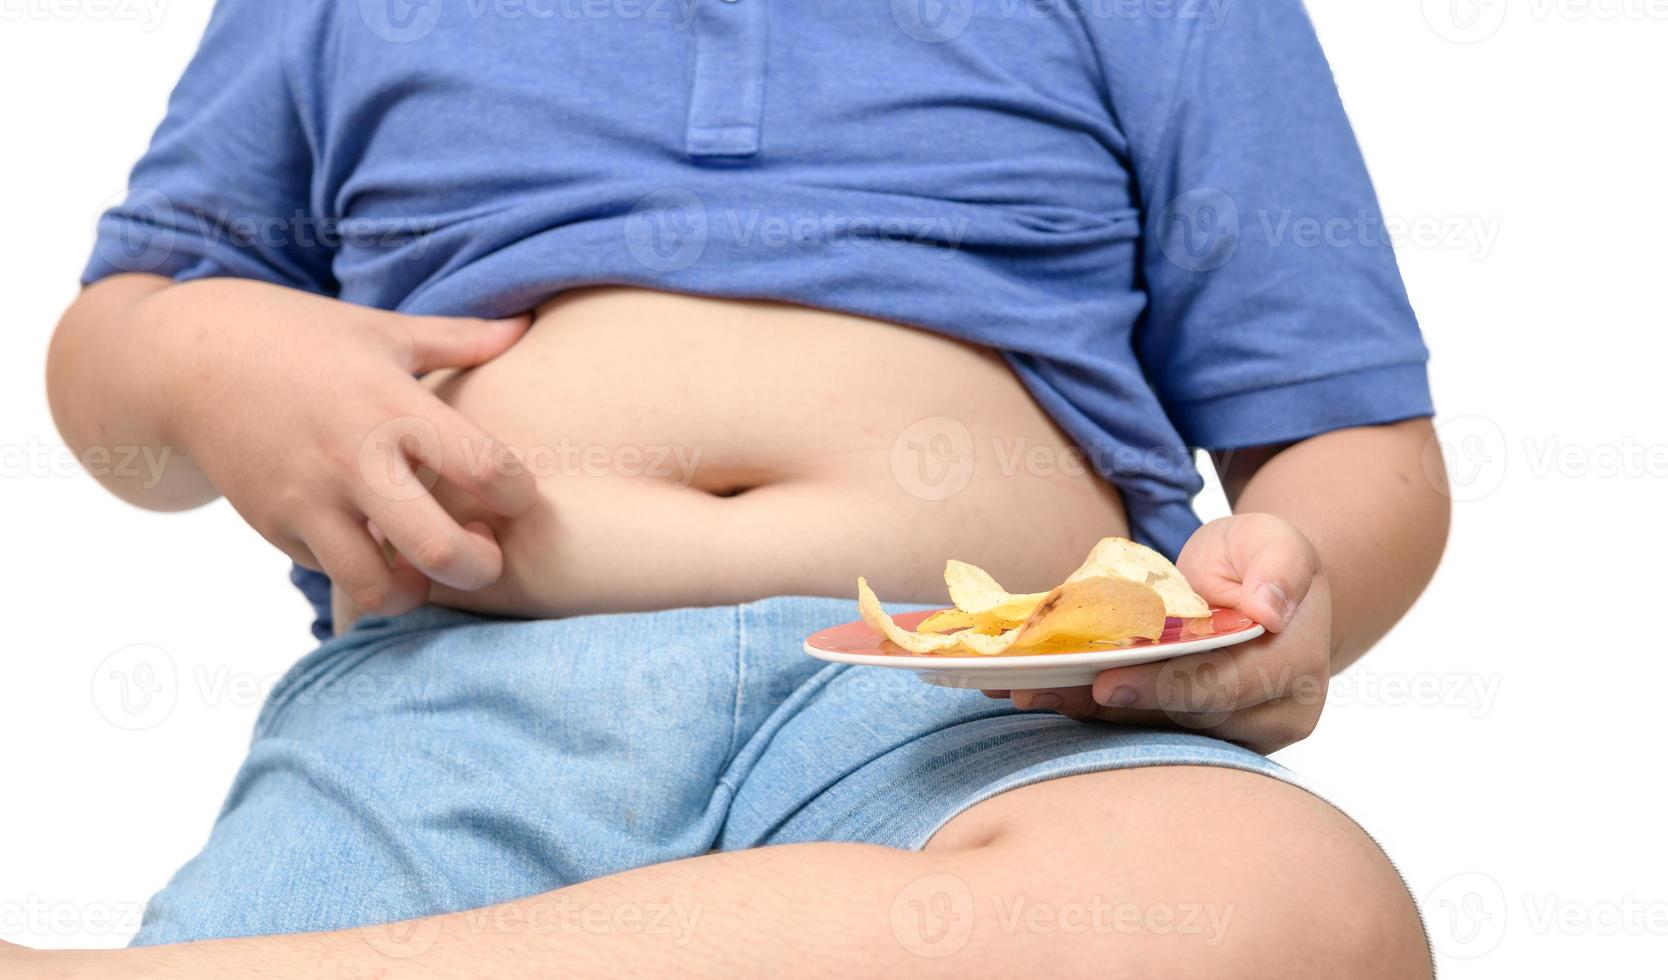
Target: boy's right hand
(306, 414)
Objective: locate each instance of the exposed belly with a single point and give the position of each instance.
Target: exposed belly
(695, 452)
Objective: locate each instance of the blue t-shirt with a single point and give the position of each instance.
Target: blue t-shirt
(1154, 208)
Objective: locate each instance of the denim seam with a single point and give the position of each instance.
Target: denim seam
(759, 742)
(303, 679)
(741, 679)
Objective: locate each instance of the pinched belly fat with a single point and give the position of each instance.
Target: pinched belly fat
(694, 451)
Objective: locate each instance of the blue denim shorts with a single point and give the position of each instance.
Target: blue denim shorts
(439, 761)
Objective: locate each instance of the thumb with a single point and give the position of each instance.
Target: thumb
(437, 342)
(1277, 564)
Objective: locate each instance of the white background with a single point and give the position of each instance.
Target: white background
(1502, 742)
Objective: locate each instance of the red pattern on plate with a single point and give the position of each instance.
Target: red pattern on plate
(858, 638)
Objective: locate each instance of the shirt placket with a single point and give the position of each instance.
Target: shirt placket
(726, 102)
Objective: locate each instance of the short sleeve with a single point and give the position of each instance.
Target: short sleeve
(1275, 308)
(224, 188)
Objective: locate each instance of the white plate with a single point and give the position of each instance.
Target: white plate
(856, 643)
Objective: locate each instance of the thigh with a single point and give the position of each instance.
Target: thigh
(1234, 872)
(440, 761)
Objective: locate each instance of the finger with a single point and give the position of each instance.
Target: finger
(356, 564)
(1273, 725)
(429, 343)
(475, 462)
(1073, 702)
(297, 551)
(1217, 681)
(1264, 728)
(996, 695)
(421, 530)
(1133, 717)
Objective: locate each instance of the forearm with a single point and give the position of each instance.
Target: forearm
(1374, 503)
(708, 917)
(113, 390)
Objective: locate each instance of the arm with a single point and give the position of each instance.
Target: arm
(1374, 504)
(303, 411)
(224, 349)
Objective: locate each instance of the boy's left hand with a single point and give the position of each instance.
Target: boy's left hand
(1264, 694)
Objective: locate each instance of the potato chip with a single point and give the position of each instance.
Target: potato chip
(1091, 611)
(1122, 558)
(974, 591)
(1101, 611)
(946, 620)
(868, 606)
(1121, 593)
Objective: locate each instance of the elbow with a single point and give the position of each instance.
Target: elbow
(60, 376)
(1433, 511)
(86, 374)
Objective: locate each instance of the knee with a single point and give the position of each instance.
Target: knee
(1211, 872)
(1352, 917)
